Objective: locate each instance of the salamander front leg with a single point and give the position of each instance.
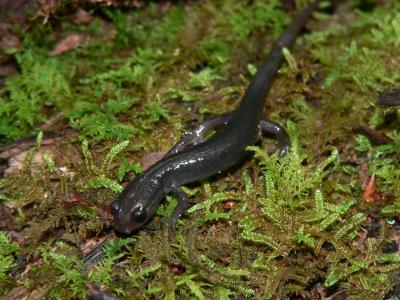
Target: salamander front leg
(279, 133)
(197, 135)
(180, 208)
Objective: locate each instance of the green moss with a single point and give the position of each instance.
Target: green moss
(41, 83)
(362, 61)
(7, 250)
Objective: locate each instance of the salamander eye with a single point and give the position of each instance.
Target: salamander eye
(139, 215)
(115, 207)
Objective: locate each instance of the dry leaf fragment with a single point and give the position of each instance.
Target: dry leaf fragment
(48, 7)
(92, 243)
(17, 162)
(177, 269)
(70, 42)
(7, 70)
(229, 204)
(319, 292)
(99, 292)
(82, 17)
(73, 199)
(374, 136)
(150, 159)
(18, 146)
(10, 41)
(370, 194)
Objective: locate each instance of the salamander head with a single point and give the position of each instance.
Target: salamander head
(136, 205)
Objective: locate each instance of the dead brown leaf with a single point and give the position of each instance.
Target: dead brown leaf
(318, 292)
(10, 41)
(21, 293)
(228, 205)
(117, 3)
(52, 121)
(370, 194)
(48, 7)
(150, 159)
(9, 150)
(70, 42)
(8, 70)
(17, 162)
(82, 17)
(376, 137)
(99, 292)
(73, 199)
(92, 243)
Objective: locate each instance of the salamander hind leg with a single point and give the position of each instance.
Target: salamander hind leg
(279, 133)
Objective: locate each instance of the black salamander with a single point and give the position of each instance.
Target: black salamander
(138, 202)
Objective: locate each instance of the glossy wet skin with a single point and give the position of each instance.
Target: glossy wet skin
(131, 209)
(137, 204)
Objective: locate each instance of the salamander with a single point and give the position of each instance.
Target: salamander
(137, 203)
